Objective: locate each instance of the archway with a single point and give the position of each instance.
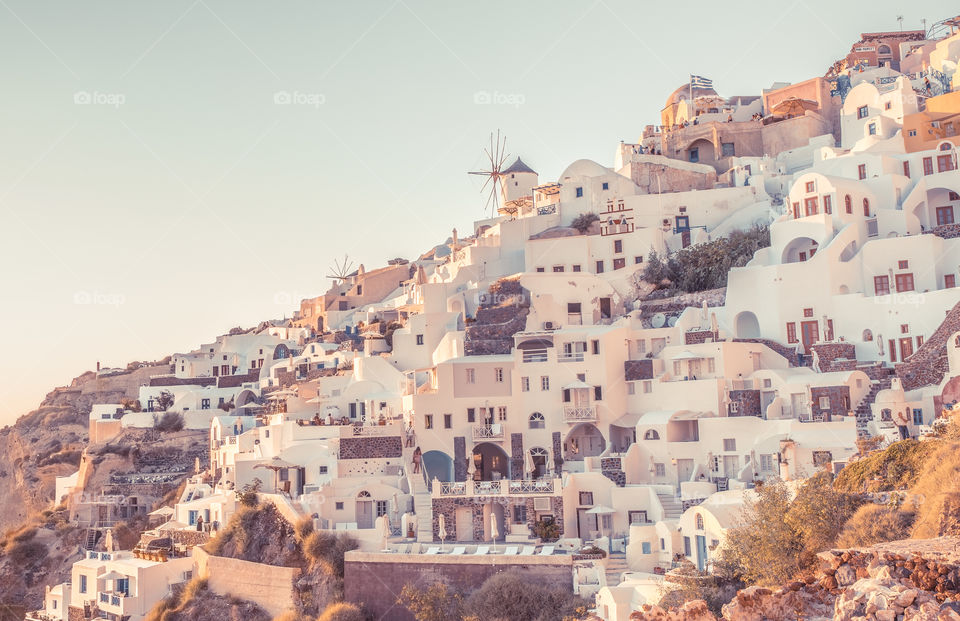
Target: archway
(800, 249)
(246, 397)
(747, 325)
(439, 465)
(701, 151)
(281, 352)
(584, 440)
(490, 463)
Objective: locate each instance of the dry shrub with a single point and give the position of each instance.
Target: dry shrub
(875, 524)
(342, 611)
(936, 495)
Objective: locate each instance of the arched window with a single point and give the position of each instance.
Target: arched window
(651, 434)
(945, 146)
(364, 494)
(848, 203)
(883, 49)
(699, 522)
(866, 207)
(867, 336)
(537, 421)
(886, 414)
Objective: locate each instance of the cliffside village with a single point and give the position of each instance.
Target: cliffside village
(515, 397)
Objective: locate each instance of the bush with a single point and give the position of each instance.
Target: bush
(327, 549)
(875, 524)
(509, 595)
(437, 602)
(248, 496)
(169, 421)
(27, 554)
(896, 467)
(583, 221)
(341, 611)
(546, 531)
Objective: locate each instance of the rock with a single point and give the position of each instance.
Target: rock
(886, 615)
(906, 598)
(846, 575)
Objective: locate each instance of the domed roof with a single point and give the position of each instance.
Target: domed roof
(683, 92)
(584, 168)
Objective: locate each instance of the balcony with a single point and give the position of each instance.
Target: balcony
(616, 229)
(576, 356)
(504, 487)
(579, 413)
(488, 432)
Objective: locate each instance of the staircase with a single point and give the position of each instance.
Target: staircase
(422, 498)
(863, 412)
(90, 539)
(616, 565)
(672, 507)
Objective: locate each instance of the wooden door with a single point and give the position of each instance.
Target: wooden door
(810, 333)
(364, 514)
(586, 523)
(906, 348)
(464, 518)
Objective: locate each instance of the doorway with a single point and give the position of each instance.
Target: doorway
(906, 348)
(701, 553)
(810, 333)
(464, 519)
(684, 469)
(586, 523)
(364, 510)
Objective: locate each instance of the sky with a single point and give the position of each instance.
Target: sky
(170, 170)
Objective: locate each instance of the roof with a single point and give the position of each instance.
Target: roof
(725, 506)
(519, 167)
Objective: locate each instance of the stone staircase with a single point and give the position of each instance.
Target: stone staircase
(616, 565)
(789, 353)
(928, 365)
(672, 507)
(422, 498)
(863, 412)
(90, 539)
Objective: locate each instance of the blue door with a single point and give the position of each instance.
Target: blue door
(701, 553)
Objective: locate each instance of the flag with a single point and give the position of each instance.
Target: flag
(698, 81)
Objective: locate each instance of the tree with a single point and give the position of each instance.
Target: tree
(583, 222)
(164, 400)
(818, 514)
(437, 602)
(169, 421)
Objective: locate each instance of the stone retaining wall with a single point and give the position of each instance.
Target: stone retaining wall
(268, 586)
(377, 447)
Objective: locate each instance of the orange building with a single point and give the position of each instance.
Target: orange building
(923, 131)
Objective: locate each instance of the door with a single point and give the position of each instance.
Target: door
(364, 514)
(694, 369)
(605, 308)
(586, 524)
(684, 469)
(464, 518)
(731, 464)
(701, 553)
(798, 402)
(766, 398)
(906, 348)
(810, 333)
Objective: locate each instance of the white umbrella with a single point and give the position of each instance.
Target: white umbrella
(443, 530)
(494, 530)
(384, 529)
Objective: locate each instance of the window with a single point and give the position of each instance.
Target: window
(677, 368)
(809, 186)
(827, 204)
(498, 375)
(502, 413)
(599, 267)
(544, 382)
(906, 169)
(699, 521)
(557, 269)
(872, 129)
(904, 282)
(917, 416)
(576, 268)
(928, 166)
(651, 434)
(205, 404)
(904, 328)
(619, 264)
(944, 215)
(381, 508)
(586, 498)
(848, 204)
(727, 149)
(647, 387)
(881, 285)
(823, 403)
(903, 265)
(471, 376)
(711, 365)
(338, 506)
(419, 339)
(631, 388)
(766, 463)
(579, 192)
(606, 186)
(537, 421)
(618, 245)
(862, 112)
(321, 469)
(471, 415)
(694, 155)
(83, 583)
(597, 393)
(944, 163)
(912, 133)
(447, 421)
(949, 281)
(729, 444)
(866, 207)
(524, 384)
(519, 514)
(660, 470)
(539, 269)
(595, 347)
(428, 421)
(645, 547)
(791, 332)
(810, 206)
(637, 260)
(862, 171)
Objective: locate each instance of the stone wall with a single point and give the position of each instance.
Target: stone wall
(695, 337)
(634, 370)
(233, 381)
(612, 468)
(169, 380)
(835, 356)
(268, 586)
(373, 580)
(380, 447)
(516, 456)
(839, 397)
(502, 313)
(928, 365)
(654, 177)
(748, 403)
(448, 506)
(459, 458)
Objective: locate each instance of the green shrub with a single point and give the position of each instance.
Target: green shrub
(583, 221)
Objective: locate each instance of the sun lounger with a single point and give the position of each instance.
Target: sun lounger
(433, 550)
(511, 550)
(546, 551)
(527, 550)
(459, 550)
(481, 550)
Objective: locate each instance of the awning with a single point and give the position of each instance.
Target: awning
(601, 510)
(627, 420)
(112, 575)
(162, 511)
(684, 355)
(535, 344)
(577, 384)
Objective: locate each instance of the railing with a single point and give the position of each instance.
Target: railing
(488, 432)
(547, 210)
(526, 487)
(571, 357)
(373, 430)
(579, 413)
(872, 229)
(534, 355)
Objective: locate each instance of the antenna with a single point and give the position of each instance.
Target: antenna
(497, 155)
(340, 270)
(900, 19)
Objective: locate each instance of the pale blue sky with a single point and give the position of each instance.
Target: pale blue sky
(183, 200)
